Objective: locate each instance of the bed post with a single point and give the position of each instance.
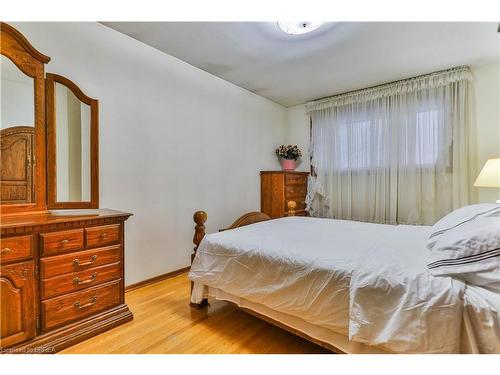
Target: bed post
(291, 205)
(199, 217)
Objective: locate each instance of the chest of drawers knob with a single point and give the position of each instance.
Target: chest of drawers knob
(64, 242)
(77, 280)
(5, 251)
(77, 262)
(91, 303)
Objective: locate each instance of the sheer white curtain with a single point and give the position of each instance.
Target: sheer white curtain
(396, 153)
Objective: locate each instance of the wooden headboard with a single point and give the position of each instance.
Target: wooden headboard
(200, 218)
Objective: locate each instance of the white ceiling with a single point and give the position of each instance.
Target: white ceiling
(335, 58)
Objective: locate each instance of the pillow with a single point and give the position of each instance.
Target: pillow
(458, 218)
(468, 249)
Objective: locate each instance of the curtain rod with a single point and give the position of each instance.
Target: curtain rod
(380, 85)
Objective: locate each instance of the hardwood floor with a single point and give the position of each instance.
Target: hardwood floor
(164, 323)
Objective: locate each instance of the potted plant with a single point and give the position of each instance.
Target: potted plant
(288, 155)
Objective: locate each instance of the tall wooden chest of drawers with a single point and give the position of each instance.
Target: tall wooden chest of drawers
(277, 188)
(61, 278)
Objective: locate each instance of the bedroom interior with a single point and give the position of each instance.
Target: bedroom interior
(250, 188)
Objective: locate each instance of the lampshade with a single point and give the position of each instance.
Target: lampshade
(489, 175)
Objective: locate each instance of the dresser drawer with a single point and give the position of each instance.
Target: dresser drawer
(79, 261)
(16, 248)
(103, 235)
(69, 307)
(72, 282)
(61, 242)
(295, 179)
(295, 191)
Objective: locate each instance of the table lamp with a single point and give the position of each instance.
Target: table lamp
(489, 177)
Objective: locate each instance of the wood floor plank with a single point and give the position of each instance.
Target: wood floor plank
(164, 323)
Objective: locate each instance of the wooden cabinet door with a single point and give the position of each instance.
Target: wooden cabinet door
(16, 172)
(17, 303)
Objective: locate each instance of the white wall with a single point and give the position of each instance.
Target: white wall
(173, 139)
(485, 122)
(486, 101)
(297, 133)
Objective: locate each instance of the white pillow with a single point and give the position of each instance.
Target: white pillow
(468, 249)
(458, 218)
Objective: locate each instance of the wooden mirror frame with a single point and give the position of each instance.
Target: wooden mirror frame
(31, 62)
(52, 202)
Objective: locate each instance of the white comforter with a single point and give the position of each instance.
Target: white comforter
(367, 281)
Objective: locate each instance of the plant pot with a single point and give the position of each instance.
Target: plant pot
(288, 165)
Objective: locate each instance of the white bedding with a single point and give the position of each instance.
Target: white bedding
(366, 281)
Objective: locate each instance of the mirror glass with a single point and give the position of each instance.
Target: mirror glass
(17, 118)
(72, 118)
(17, 96)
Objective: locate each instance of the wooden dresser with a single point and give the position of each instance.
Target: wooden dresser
(61, 272)
(61, 278)
(279, 187)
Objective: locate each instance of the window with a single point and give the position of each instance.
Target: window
(392, 154)
(358, 143)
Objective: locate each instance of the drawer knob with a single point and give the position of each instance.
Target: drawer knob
(64, 242)
(77, 280)
(77, 262)
(92, 302)
(103, 236)
(5, 250)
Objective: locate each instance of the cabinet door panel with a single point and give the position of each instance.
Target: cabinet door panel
(17, 303)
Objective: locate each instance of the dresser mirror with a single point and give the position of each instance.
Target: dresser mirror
(17, 96)
(22, 133)
(72, 146)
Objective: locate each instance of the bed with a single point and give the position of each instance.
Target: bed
(349, 286)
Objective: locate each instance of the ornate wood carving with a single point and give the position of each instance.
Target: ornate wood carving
(17, 271)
